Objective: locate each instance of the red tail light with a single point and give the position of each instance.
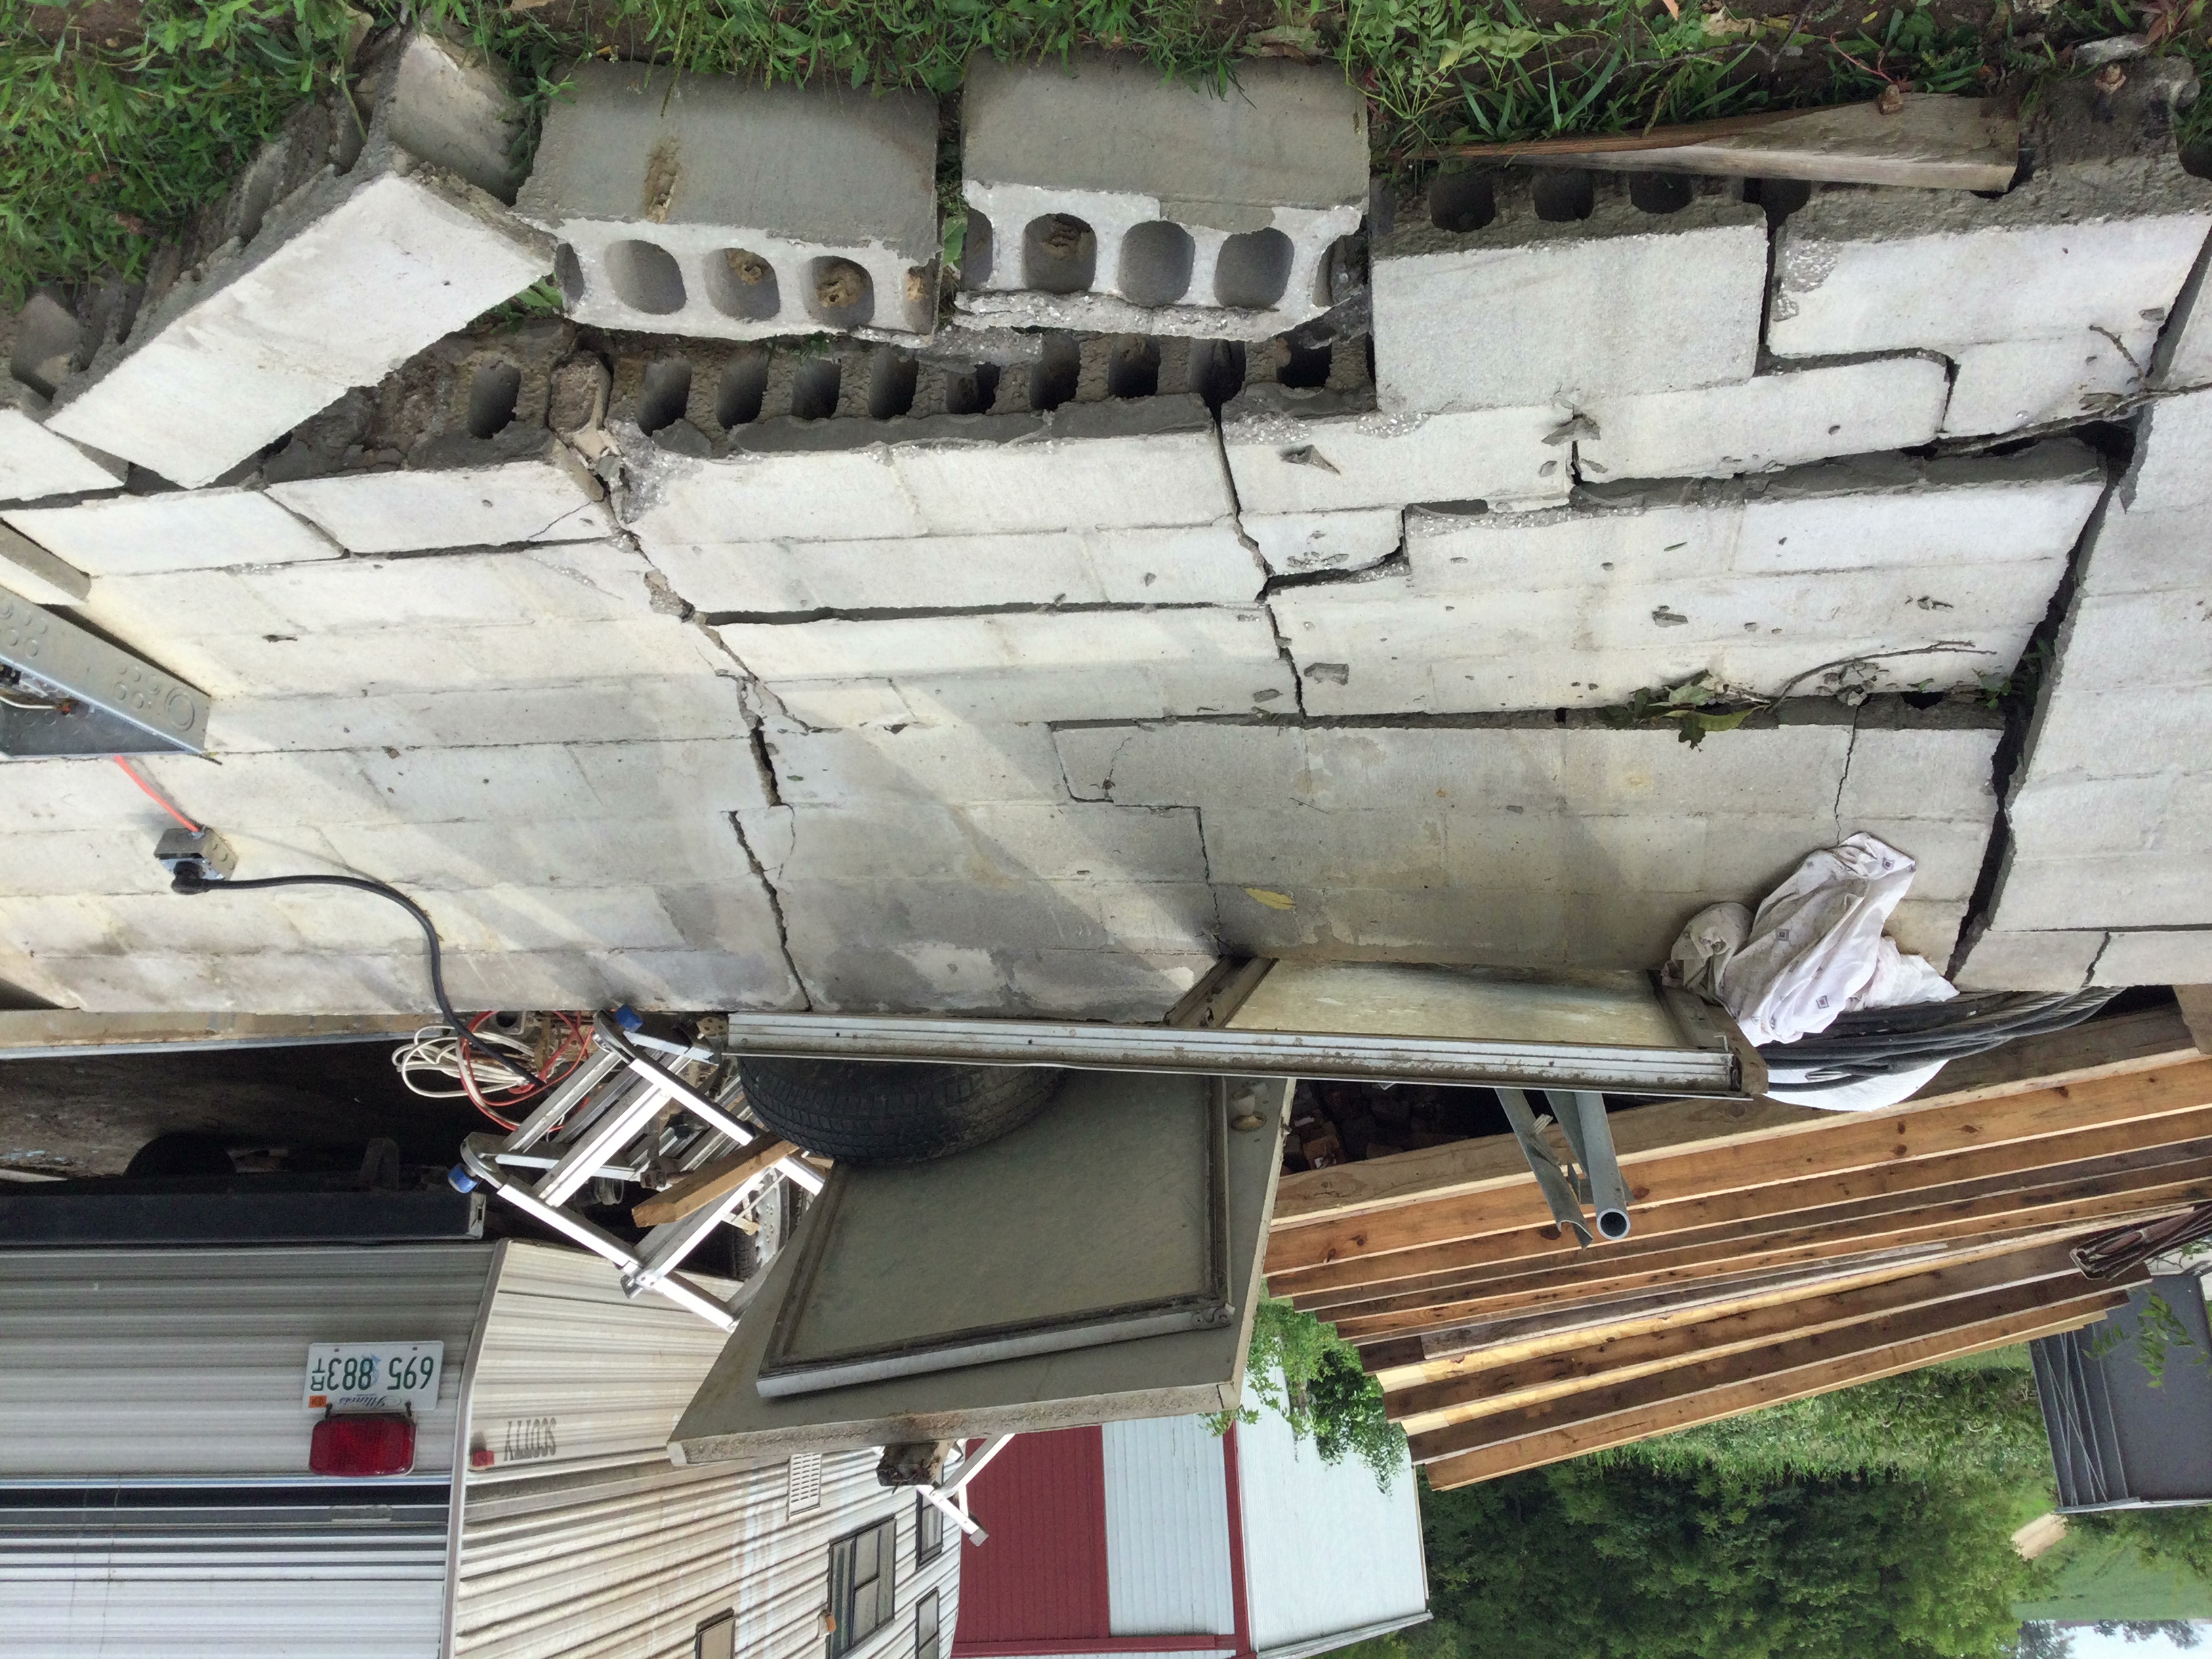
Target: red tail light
(363, 1445)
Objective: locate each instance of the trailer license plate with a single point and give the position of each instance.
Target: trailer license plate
(380, 1376)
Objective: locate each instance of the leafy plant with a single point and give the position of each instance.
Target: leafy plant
(2159, 1331)
(1312, 1378)
(1694, 706)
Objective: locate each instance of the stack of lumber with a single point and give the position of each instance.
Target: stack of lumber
(1777, 1253)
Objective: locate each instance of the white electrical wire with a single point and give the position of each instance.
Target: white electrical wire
(435, 1052)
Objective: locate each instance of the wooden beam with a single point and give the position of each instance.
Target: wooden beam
(1671, 1416)
(703, 1186)
(1486, 1389)
(1841, 1144)
(1931, 141)
(69, 1030)
(2144, 1143)
(1773, 1360)
(2106, 1046)
(1553, 1290)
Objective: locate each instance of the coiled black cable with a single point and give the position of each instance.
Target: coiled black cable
(1883, 1041)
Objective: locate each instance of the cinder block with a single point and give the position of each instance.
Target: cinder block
(2007, 960)
(347, 253)
(34, 462)
(2117, 733)
(1140, 463)
(671, 707)
(2023, 383)
(197, 530)
(28, 571)
(707, 205)
(1302, 544)
(1529, 310)
(1102, 196)
(412, 511)
(1022, 666)
(1203, 564)
(2183, 357)
(2142, 890)
(2138, 643)
(1766, 423)
(960, 764)
(657, 777)
(699, 847)
(2153, 956)
(1293, 451)
(2102, 238)
(2172, 467)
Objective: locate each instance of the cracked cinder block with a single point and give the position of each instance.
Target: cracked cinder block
(36, 463)
(1296, 452)
(1539, 306)
(2006, 960)
(550, 500)
(1196, 564)
(2103, 890)
(596, 711)
(2155, 956)
(1760, 584)
(1101, 197)
(707, 205)
(1766, 423)
(2183, 356)
(955, 764)
(1304, 544)
(1135, 465)
(1018, 666)
(341, 255)
(28, 571)
(2172, 471)
(181, 530)
(1521, 842)
(2050, 298)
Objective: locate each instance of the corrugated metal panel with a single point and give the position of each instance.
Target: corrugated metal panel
(1042, 1576)
(571, 1372)
(1167, 1529)
(631, 1563)
(172, 1364)
(1326, 1551)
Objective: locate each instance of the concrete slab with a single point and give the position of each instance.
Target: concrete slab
(707, 205)
(2152, 956)
(551, 499)
(2183, 357)
(1304, 544)
(381, 245)
(34, 463)
(949, 764)
(2011, 961)
(1526, 309)
(2031, 383)
(197, 530)
(1296, 452)
(1020, 665)
(1203, 564)
(1767, 422)
(1101, 197)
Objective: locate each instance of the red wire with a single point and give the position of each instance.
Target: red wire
(154, 795)
(515, 1094)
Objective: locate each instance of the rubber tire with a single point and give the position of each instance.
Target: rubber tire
(181, 1153)
(866, 1111)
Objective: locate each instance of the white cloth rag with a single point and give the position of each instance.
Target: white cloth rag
(1814, 950)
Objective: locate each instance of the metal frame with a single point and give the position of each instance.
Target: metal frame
(111, 702)
(951, 1495)
(610, 1120)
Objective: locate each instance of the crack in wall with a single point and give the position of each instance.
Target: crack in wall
(776, 909)
(937, 613)
(2089, 973)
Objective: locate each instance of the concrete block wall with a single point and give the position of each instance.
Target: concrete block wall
(704, 205)
(1101, 197)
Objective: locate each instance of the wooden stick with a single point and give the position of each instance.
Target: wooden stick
(1608, 143)
(703, 1186)
(1535, 1450)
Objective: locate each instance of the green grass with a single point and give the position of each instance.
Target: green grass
(2095, 1576)
(111, 146)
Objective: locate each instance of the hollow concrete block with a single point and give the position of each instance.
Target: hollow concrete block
(1767, 422)
(1303, 543)
(551, 499)
(1528, 309)
(706, 205)
(340, 257)
(1101, 197)
(36, 463)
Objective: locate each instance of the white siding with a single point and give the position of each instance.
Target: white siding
(1327, 1554)
(162, 1365)
(1167, 1529)
(631, 1562)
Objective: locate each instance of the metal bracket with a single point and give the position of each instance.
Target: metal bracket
(1592, 1175)
(951, 1495)
(67, 691)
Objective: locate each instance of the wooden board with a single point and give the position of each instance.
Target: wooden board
(1840, 1143)
(1792, 1353)
(1486, 1386)
(1535, 1450)
(703, 1186)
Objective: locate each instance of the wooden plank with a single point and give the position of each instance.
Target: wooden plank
(1873, 1191)
(1931, 141)
(703, 1186)
(70, 1030)
(1536, 1450)
(2106, 1046)
(1842, 1143)
(1484, 1390)
(1547, 1291)
(1772, 1359)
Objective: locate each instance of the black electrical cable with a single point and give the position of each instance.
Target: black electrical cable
(1883, 1041)
(187, 882)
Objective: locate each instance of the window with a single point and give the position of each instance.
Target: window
(718, 1639)
(862, 1577)
(924, 1627)
(928, 1532)
(803, 1486)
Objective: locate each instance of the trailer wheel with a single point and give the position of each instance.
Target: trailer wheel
(863, 1111)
